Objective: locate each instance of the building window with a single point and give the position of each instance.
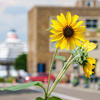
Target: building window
(88, 3)
(94, 41)
(53, 45)
(99, 3)
(91, 23)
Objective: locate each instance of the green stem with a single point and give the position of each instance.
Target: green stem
(51, 68)
(64, 67)
(55, 83)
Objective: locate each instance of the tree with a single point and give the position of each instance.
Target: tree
(21, 62)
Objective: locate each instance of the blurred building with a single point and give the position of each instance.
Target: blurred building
(10, 49)
(12, 46)
(41, 50)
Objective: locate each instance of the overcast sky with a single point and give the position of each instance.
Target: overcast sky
(13, 14)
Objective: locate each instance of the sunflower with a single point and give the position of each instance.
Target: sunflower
(67, 31)
(88, 63)
(89, 66)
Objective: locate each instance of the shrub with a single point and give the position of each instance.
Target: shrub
(2, 80)
(75, 81)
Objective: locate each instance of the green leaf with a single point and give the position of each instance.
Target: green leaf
(71, 52)
(49, 29)
(23, 86)
(61, 58)
(39, 98)
(54, 98)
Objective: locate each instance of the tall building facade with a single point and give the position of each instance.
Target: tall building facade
(10, 49)
(41, 50)
(12, 46)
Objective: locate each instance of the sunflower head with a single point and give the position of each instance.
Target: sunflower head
(84, 60)
(67, 31)
(88, 45)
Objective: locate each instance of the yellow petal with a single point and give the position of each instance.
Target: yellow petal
(54, 35)
(72, 42)
(91, 46)
(63, 44)
(51, 36)
(78, 24)
(85, 43)
(55, 22)
(77, 42)
(91, 60)
(58, 43)
(76, 34)
(74, 19)
(80, 29)
(68, 18)
(88, 69)
(62, 19)
(79, 36)
(66, 44)
(88, 65)
(85, 70)
(58, 37)
(55, 31)
(58, 28)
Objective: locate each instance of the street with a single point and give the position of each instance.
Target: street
(63, 91)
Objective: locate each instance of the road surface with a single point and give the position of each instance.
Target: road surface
(62, 91)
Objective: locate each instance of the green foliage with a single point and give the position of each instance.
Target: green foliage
(23, 86)
(39, 98)
(9, 80)
(54, 98)
(98, 30)
(72, 52)
(51, 98)
(2, 80)
(86, 80)
(82, 59)
(75, 81)
(61, 58)
(49, 29)
(21, 62)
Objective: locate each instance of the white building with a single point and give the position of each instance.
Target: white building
(12, 46)
(10, 49)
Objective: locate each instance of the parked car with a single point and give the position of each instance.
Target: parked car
(40, 77)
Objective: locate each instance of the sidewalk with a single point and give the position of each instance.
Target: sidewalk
(7, 84)
(92, 88)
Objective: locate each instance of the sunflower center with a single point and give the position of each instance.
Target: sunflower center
(68, 32)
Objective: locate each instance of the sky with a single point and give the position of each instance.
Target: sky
(14, 15)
